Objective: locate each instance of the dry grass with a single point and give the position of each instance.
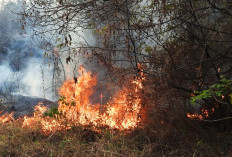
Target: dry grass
(174, 138)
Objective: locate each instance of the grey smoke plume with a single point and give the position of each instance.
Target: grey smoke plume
(23, 68)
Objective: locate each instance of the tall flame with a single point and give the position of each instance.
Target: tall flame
(122, 112)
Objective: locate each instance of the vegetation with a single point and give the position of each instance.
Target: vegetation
(52, 112)
(218, 91)
(182, 139)
(181, 47)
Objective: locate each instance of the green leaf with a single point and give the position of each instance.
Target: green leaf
(53, 112)
(224, 87)
(148, 49)
(73, 103)
(104, 28)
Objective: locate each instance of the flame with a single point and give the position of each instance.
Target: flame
(122, 112)
(7, 117)
(47, 124)
(204, 114)
(195, 116)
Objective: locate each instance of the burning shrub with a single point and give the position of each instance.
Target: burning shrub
(123, 112)
(7, 117)
(53, 112)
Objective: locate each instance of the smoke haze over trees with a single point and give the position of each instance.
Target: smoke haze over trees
(180, 50)
(182, 46)
(22, 63)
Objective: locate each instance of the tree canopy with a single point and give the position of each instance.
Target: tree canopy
(182, 45)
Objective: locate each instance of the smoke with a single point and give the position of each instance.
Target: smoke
(5, 72)
(23, 68)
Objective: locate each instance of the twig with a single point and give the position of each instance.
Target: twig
(216, 120)
(50, 136)
(194, 154)
(112, 153)
(27, 155)
(218, 100)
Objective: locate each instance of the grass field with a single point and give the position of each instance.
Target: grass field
(177, 138)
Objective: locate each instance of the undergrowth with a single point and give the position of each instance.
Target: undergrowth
(166, 138)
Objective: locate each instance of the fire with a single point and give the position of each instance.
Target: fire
(47, 124)
(195, 116)
(204, 114)
(7, 117)
(122, 112)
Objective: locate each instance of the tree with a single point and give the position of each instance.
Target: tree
(182, 45)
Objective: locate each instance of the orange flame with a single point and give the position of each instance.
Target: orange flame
(47, 124)
(123, 112)
(204, 114)
(7, 117)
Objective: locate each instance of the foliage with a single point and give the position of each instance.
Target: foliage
(53, 112)
(172, 38)
(62, 99)
(183, 46)
(219, 90)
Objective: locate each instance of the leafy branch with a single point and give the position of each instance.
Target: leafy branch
(220, 90)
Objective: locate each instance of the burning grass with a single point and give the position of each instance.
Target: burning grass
(121, 127)
(181, 139)
(123, 112)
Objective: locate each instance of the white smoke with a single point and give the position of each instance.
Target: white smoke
(23, 68)
(35, 79)
(5, 74)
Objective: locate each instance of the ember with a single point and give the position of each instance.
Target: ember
(204, 114)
